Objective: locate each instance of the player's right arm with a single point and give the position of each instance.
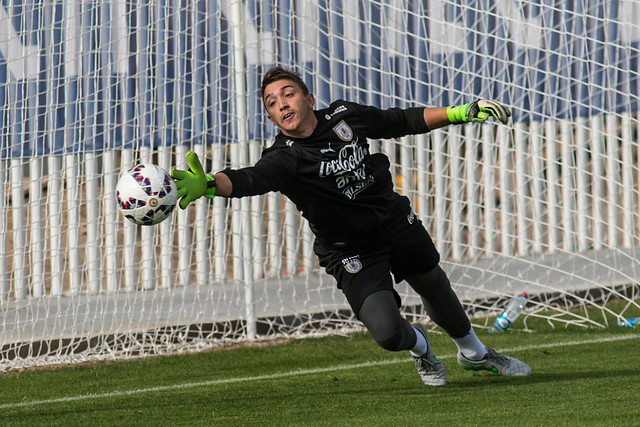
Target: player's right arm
(269, 174)
(193, 183)
(224, 187)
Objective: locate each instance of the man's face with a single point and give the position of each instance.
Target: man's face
(289, 108)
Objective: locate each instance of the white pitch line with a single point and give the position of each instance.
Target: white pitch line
(292, 373)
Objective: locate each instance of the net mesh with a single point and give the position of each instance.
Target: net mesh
(547, 204)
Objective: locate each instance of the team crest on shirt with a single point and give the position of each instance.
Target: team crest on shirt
(352, 264)
(343, 131)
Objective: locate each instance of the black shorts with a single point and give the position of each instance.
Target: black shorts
(403, 248)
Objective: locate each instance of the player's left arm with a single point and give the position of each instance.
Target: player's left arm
(436, 117)
(477, 112)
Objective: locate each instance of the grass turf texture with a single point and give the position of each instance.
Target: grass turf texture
(580, 377)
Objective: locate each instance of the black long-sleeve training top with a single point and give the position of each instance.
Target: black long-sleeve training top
(344, 191)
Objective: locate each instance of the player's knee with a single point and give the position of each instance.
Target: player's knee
(391, 343)
(398, 339)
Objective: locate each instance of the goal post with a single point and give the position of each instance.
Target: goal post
(548, 204)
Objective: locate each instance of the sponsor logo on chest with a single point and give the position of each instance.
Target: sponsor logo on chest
(349, 159)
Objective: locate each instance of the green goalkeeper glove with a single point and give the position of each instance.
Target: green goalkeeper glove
(477, 111)
(193, 183)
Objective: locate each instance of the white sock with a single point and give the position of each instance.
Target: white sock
(421, 344)
(471, 346)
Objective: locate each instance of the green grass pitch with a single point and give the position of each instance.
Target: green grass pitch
(580, 377)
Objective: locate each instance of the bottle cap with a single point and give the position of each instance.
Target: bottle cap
(525, 295)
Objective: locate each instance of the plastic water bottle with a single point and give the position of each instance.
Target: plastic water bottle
(514, 307)
(628, 322)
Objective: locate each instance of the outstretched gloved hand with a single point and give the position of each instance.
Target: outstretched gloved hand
(477, 111)
(193, 183)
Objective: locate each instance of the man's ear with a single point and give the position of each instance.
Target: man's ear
(310, 99)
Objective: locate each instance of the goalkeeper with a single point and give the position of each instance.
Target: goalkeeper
(367, 235)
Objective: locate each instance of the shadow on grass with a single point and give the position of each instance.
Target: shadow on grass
(477, 378)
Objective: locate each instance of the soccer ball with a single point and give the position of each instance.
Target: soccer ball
(146, 194)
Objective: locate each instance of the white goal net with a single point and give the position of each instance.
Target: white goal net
(548, 204)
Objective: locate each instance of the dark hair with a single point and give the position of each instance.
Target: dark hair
(278, 73)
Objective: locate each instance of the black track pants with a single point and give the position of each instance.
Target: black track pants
(381, 316)
(440, 302)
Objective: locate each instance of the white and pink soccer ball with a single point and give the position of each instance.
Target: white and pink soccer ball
(146, 194)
